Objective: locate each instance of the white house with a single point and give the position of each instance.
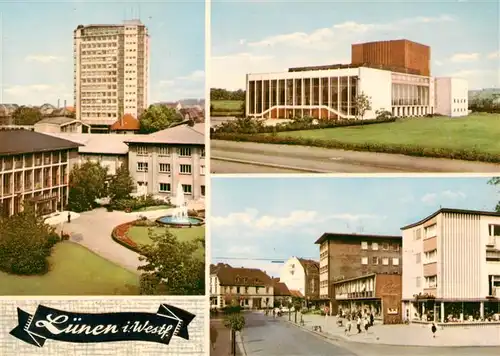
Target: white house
(251, 288)
(452, 97)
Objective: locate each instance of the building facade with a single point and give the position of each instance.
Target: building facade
(250, 288)
(451, 265)
(159, 161)
(394, 75)
(111, 70)
(402, 55)
(34, 168)
(454, 97)
(346, 256)
(302, 275)
(377, 294)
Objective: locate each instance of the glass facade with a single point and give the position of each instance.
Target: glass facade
(326, 97)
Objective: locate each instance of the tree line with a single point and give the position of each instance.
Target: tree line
(223, 94)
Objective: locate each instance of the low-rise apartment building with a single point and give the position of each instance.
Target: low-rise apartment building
(302, 275)
(346, 256)
(34, 168)
(249, 287)
(159, 161)
(451, 266)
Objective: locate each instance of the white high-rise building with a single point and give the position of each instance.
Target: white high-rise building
(111, 72)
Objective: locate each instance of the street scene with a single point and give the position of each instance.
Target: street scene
(355, 266)
(332, 89)
(102, 150)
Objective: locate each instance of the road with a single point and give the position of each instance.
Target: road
(250, 157)
(265, 336)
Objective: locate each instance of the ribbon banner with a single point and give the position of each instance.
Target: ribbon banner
(54, 324)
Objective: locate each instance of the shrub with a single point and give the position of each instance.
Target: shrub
(131, 204)
(232, 309)
(410, 150)
(25, 244)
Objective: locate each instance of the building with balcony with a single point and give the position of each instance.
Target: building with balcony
(302, 275)
(248, 287)
(451, 266)
(377, 294)
(395, 75)
(34, 168)
(346, 256)
(111, 72)
(159, 161)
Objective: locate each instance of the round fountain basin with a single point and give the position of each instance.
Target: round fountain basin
(174, 221)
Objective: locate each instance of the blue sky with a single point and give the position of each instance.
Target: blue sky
(37, 46)
(274, 35)
(275, 218)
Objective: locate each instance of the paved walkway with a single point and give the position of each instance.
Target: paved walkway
(407, 335)
(92, 229)
(222, 339)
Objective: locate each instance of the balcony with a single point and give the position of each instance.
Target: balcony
(492, 255)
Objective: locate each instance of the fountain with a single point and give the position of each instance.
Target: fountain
(180, 217)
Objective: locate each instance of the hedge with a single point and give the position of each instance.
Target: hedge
(409, 150)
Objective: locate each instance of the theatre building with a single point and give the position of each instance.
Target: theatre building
(395, 75)
(346, 257)
(375, 293)
(451, 267)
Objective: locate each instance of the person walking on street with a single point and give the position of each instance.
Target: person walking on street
(213, 336)
(433, 329)
(371, 319)
(69, 217)
(366, 323)
(358, 324)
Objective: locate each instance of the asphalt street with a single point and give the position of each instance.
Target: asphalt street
(250, 157)
(266, 336)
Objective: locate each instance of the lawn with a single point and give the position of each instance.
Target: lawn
(139, 234)
(227, 105)
(479, 131)
(75, 270)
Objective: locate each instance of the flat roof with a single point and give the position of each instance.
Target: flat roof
(98, 143)
(14, 142)
(451, 211)
(335, 235)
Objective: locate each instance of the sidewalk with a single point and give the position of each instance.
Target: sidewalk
(406, 335)
(223, 339)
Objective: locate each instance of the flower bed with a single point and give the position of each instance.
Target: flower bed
(120, 236)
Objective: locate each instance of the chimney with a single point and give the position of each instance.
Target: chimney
(58, 103)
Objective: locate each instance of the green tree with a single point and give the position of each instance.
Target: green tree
(87, 182)
(362, 105)
(171, 267)
(158, 117)
(121, 184)
(24, 115)
(235, 322)
(26, 243)
(496, 182)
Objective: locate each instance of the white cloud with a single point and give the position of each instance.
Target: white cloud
(197, 75)
(251, 218)
(438, 63)
(43, 58)
(478, 78)
(326, 45)
(446, 195)
(191, 85)
(465, 57)
(494, 55)
(167, 83)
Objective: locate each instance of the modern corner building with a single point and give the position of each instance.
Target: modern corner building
(111, 72)
(34, 168)
(346, 257)
(451, 267)
(394, 74)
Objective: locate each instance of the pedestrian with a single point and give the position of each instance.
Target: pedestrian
(274, 314)
(367, 324)
(69, 217)
(372, 319)
(358, 324)
(433, 329)
(347, 326)
(213, 336)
